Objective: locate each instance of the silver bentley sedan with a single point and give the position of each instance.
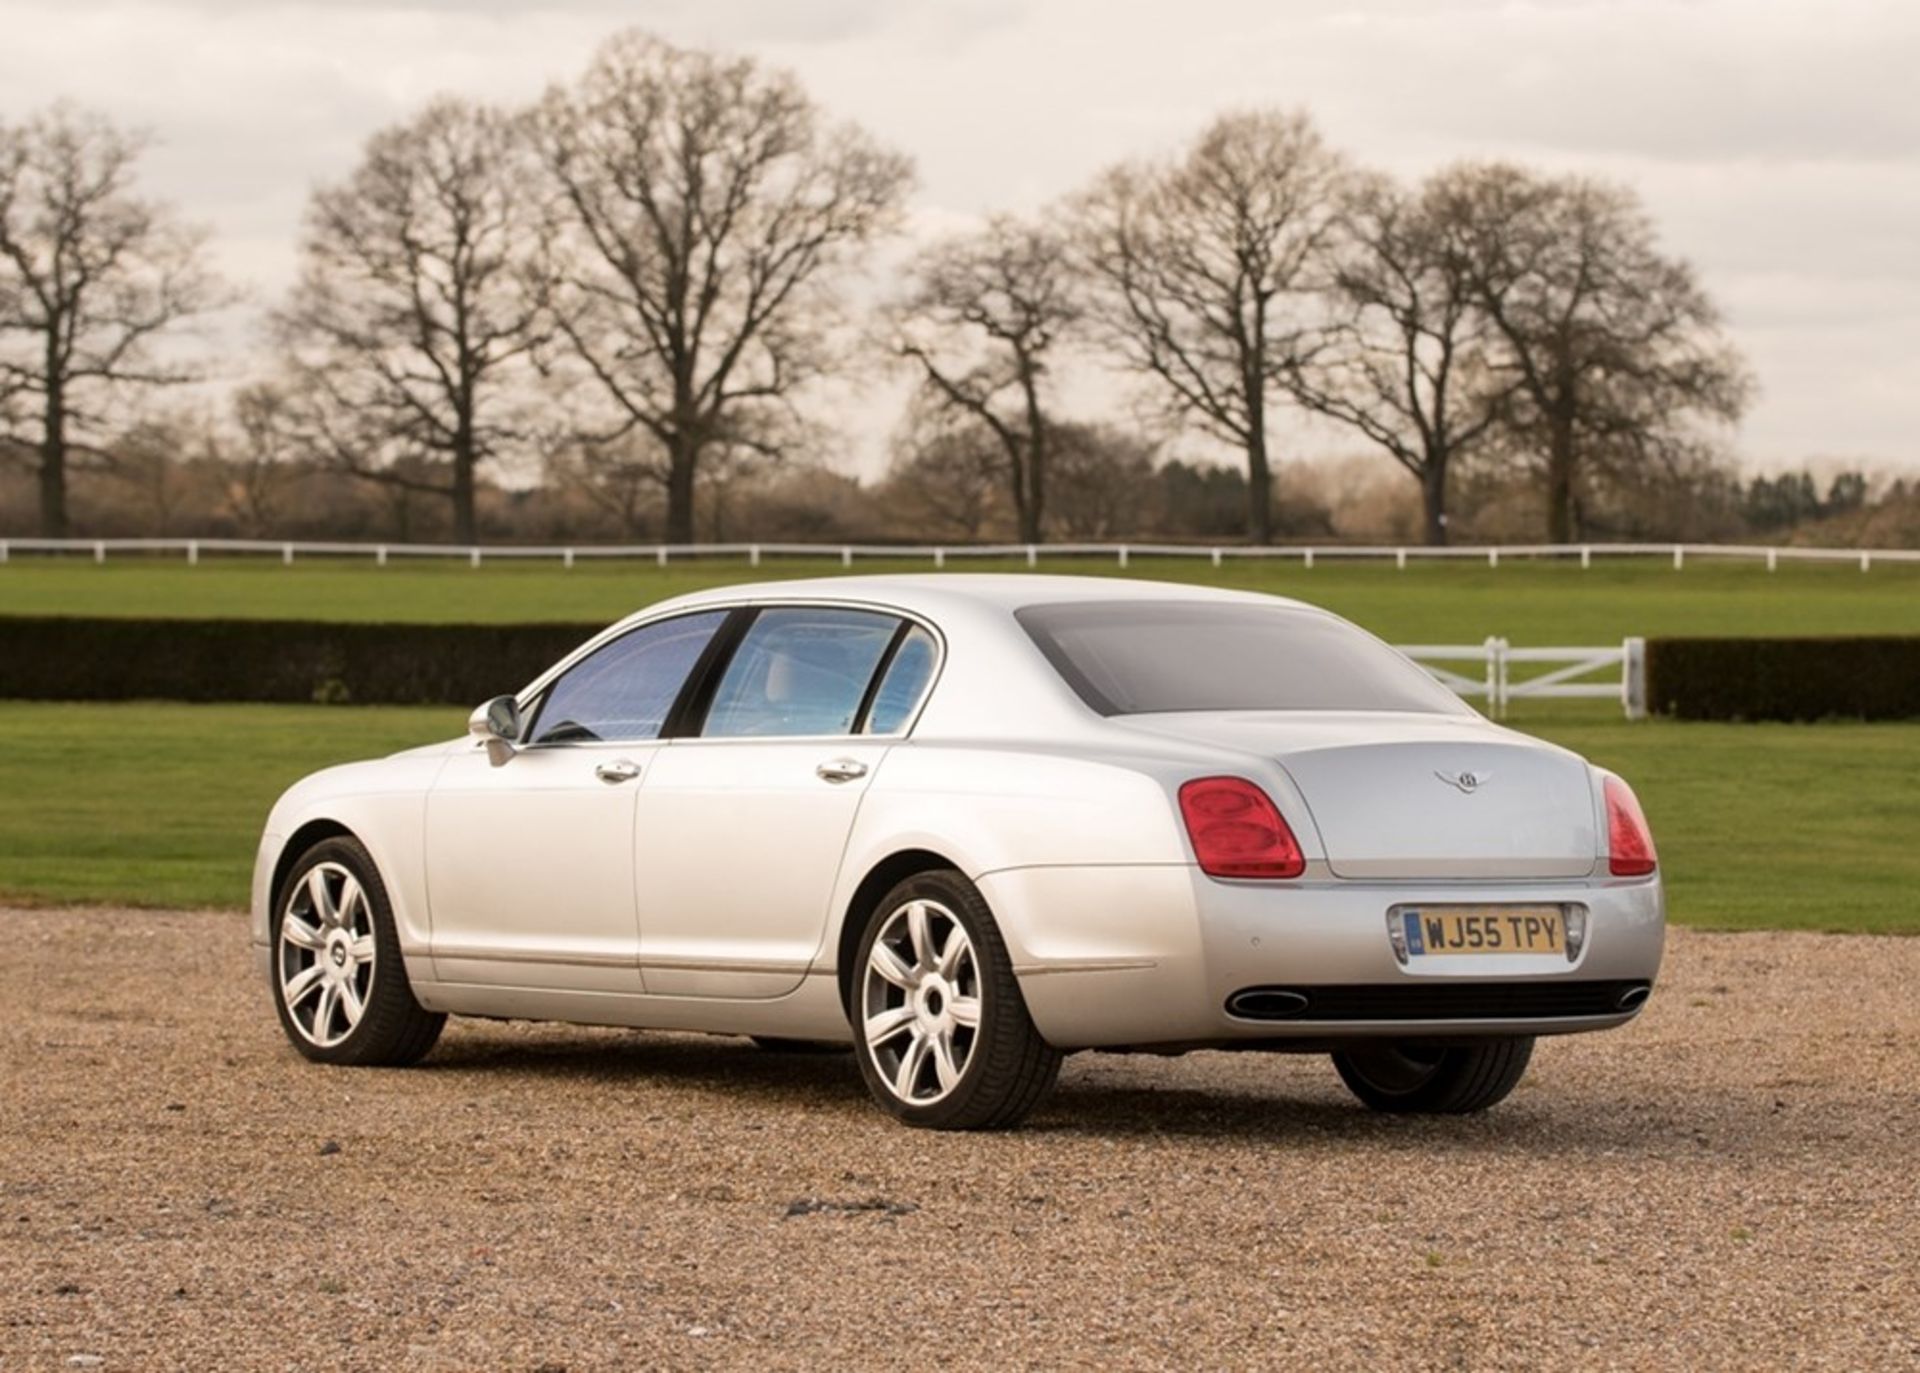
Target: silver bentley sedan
(969, 825)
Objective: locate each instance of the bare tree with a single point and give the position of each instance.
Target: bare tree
(980, 320)
(1206, 273)
(620, 477)
(415, 303)
(152, 461)
(1405, 360)
(946, 479)
(91, 277)
(259, 456)
(1103, 482)
(1612, 348)
(703, 210)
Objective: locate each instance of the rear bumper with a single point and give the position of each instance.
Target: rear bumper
(1153, 955)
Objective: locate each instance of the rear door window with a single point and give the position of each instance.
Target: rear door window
(902, 684)
(799, 670)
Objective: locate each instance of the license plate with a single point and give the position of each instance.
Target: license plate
(1485, 929)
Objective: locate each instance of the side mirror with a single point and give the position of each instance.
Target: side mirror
(497, 722)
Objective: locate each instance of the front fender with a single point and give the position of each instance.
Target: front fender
(383, 804)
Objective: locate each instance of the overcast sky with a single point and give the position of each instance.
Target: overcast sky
(1777, 142)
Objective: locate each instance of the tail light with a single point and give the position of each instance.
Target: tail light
(1237, 831)
(1629, 841)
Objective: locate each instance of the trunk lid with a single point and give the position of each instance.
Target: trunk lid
(1418, 796)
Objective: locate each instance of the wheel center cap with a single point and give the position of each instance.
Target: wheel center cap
(339, 955)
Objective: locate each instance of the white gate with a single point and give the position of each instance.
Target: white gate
(1570, 672)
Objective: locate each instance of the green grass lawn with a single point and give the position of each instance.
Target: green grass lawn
(162, 805)
(1759, 826)
(1529, 603)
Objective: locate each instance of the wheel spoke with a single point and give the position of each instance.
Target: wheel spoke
(352, 900)
(297, 931)
(362, 948)
(323, 905)
(943, 1061)
(323, 1013)
(350, 1003)
(886, 1024)
(298, 987)
(888, 964)
(965, 1010)
(954, 953)
(920, 934)
(910, 1064)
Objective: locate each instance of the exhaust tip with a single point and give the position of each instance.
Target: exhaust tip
(1634, 997)
(1267, 1003)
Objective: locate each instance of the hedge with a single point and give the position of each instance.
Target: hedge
(1784, 679)
(71, 659)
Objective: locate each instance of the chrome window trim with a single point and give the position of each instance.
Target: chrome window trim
(533, 691)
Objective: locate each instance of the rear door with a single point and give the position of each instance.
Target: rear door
(742, 823)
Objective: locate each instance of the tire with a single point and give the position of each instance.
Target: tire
(1414, 1079)
(994, 1071)
(798, 1047)
(334, 936)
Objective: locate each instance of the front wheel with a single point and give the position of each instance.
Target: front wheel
(338, 981)
(942, 1032)
(1425, 1079)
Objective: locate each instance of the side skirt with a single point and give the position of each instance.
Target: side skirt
(811, 1011)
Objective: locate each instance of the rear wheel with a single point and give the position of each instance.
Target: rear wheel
(338, 981)
(940, 1028)
(1417, 1078)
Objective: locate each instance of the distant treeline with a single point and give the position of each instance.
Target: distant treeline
(617, 311)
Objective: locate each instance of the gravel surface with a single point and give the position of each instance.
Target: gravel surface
(1731, 1182)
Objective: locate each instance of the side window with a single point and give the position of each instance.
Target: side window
(799, 670)
(903, 685)
(625, 689)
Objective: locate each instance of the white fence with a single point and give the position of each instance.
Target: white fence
(1123, 554)
(1569, 672)
(1492, 680)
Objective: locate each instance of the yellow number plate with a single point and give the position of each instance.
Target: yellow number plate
(1485, 929)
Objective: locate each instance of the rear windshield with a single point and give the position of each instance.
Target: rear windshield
(1138, 657)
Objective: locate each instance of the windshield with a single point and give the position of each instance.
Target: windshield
(1139, 657)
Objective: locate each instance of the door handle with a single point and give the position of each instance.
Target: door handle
(840, 770)
(622, 770)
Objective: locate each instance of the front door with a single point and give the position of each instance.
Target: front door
(530, 864)
(741, 825)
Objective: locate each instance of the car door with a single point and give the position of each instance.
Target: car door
(741, 824)
(530, 864)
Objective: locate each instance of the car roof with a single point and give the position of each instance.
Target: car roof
(931, 592)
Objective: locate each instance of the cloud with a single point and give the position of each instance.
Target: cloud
(1777, 142)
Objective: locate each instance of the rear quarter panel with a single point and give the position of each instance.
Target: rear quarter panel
(996, 809)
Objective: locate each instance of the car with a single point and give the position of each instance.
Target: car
(967, 825)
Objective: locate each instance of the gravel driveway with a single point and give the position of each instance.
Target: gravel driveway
(1732, 1182)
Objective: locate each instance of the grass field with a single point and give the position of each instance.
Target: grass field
(1759, 826)
(1529, 603)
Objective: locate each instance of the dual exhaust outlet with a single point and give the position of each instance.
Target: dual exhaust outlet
(1441, 1001)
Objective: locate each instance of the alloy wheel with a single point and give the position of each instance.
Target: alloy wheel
(920, 1002)
(326, 954)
